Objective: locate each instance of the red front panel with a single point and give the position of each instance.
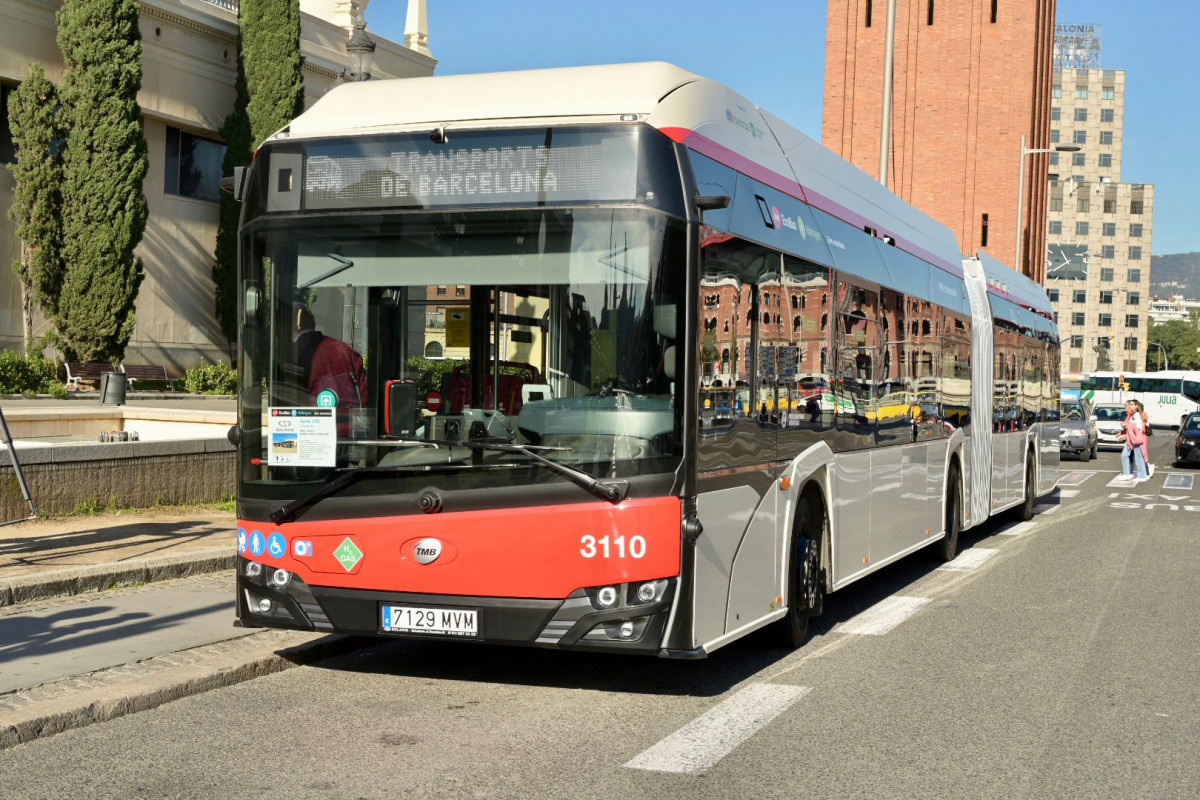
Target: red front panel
(543, 552)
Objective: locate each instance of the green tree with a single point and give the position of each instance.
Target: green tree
(1180, 339)
(270, 92)
(104, 164)
(37, 197)
(236, 133)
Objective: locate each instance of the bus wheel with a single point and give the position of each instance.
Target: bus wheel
(947, 548)
(1026, 510)
(806, 591)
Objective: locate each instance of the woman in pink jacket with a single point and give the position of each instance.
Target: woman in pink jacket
(1133, 457)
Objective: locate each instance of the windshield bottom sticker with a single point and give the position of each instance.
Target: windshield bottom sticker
(302, 437)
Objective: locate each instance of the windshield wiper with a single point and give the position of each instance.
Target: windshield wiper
(613, 492)
(335, 483)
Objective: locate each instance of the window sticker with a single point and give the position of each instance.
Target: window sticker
(302, 437)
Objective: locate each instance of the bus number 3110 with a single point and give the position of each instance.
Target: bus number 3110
(604, 546)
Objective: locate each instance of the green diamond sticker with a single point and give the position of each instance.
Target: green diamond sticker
(347, 554)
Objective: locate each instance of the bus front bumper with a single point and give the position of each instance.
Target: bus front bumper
(591, 618)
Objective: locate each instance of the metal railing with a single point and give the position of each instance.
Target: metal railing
(231, 5)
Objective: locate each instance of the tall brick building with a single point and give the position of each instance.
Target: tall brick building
(970, 77)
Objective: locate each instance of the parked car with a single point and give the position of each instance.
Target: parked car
(1077, 429)
(1109, 419)
(1187, 443)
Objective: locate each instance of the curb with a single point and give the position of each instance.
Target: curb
(97, 577)
(79, 709)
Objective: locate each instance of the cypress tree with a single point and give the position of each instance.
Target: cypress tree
(37, 199)
(270, 35)
(270, 92)
(104, 163)
(236, 133)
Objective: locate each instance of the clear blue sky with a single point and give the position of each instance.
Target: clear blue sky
(773, 52)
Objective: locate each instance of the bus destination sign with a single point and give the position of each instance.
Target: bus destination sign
(473, 169)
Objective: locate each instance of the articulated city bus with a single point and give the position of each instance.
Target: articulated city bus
(607, 358)
(1168, 395)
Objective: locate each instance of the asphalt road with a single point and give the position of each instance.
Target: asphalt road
(1058, 660)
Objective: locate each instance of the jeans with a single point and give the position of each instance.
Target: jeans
(1131, 461)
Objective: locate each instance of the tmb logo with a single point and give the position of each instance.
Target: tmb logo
(427, 551)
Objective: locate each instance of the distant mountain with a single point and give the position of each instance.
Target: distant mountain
(1178, 273)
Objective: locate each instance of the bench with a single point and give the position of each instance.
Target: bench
(86, 371)
(146, 372)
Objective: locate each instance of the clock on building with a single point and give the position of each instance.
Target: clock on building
(1067, 261)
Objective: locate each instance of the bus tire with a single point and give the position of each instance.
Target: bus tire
(805, 587)
(1025, 510)
(947, 547)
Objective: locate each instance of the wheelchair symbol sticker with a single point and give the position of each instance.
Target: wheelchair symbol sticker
(276, 545)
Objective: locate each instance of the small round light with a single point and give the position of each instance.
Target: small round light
(607, 596)
(253, 569)
(646, 592)
(280, 577)
(626, 630)
(265, 605)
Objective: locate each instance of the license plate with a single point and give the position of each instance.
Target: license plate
(430, 620)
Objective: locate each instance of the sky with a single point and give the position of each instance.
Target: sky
(773, 52)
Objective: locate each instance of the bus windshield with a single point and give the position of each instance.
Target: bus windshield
(381, 340)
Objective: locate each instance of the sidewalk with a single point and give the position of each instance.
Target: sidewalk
(57, 600)
(73, 555)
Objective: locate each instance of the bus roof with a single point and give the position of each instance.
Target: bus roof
(702, 114)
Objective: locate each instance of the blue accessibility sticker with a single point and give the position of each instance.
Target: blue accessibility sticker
(301, 548)
(276, 545)
(258, 543)
(241, 541)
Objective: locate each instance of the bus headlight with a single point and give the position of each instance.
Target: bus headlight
(280, 577)
(253, 569)
(607, 596)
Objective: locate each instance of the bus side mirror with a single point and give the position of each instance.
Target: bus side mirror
(234, 185)
(710, 202)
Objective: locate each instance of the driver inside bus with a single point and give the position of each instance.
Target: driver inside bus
(327, 363)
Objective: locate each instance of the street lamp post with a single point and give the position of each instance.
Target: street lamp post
(361, 49)
(1061, 148)
(1165, 363)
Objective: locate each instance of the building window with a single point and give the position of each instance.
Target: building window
(193, 166)
(1106, 320)
(1106, 274)
(1055, 92)
(1081, 229)
(1079, 159)
(1110, 206)
(1131, 343)
(1108, 251)
(1106, 297)
(441, 291)
(1056, 227)
(1054, 159)
(929, 13)
(1105, 160)
(1135, 207)
(1108, 93)
(1081, 93)
(1054, 136)
(8, 152)
(1080, 137)
(1135, 230)
(1077, 342)
(1135, 253)
(995, 9)
(1079, 295)
(1052, 294)
(1131, 320)
(434, 350)
(868, 13)
(1134, 276)
(1133, 298)
(1055, 114)
(1109, 229)
(1077, 318)
(460, 291)
(1081, 115)
(1083, 205)
(1106, 137)
(1107, 115)
(1056, 204)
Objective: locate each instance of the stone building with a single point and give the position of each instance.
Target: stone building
(189, 62)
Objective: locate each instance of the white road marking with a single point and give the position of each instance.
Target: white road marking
(1119, 481)
(968, 560)
(1179, 481)
(883, 616)
(699, 745)
(1074, 478)
(1068, 492)
(1016, 529)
